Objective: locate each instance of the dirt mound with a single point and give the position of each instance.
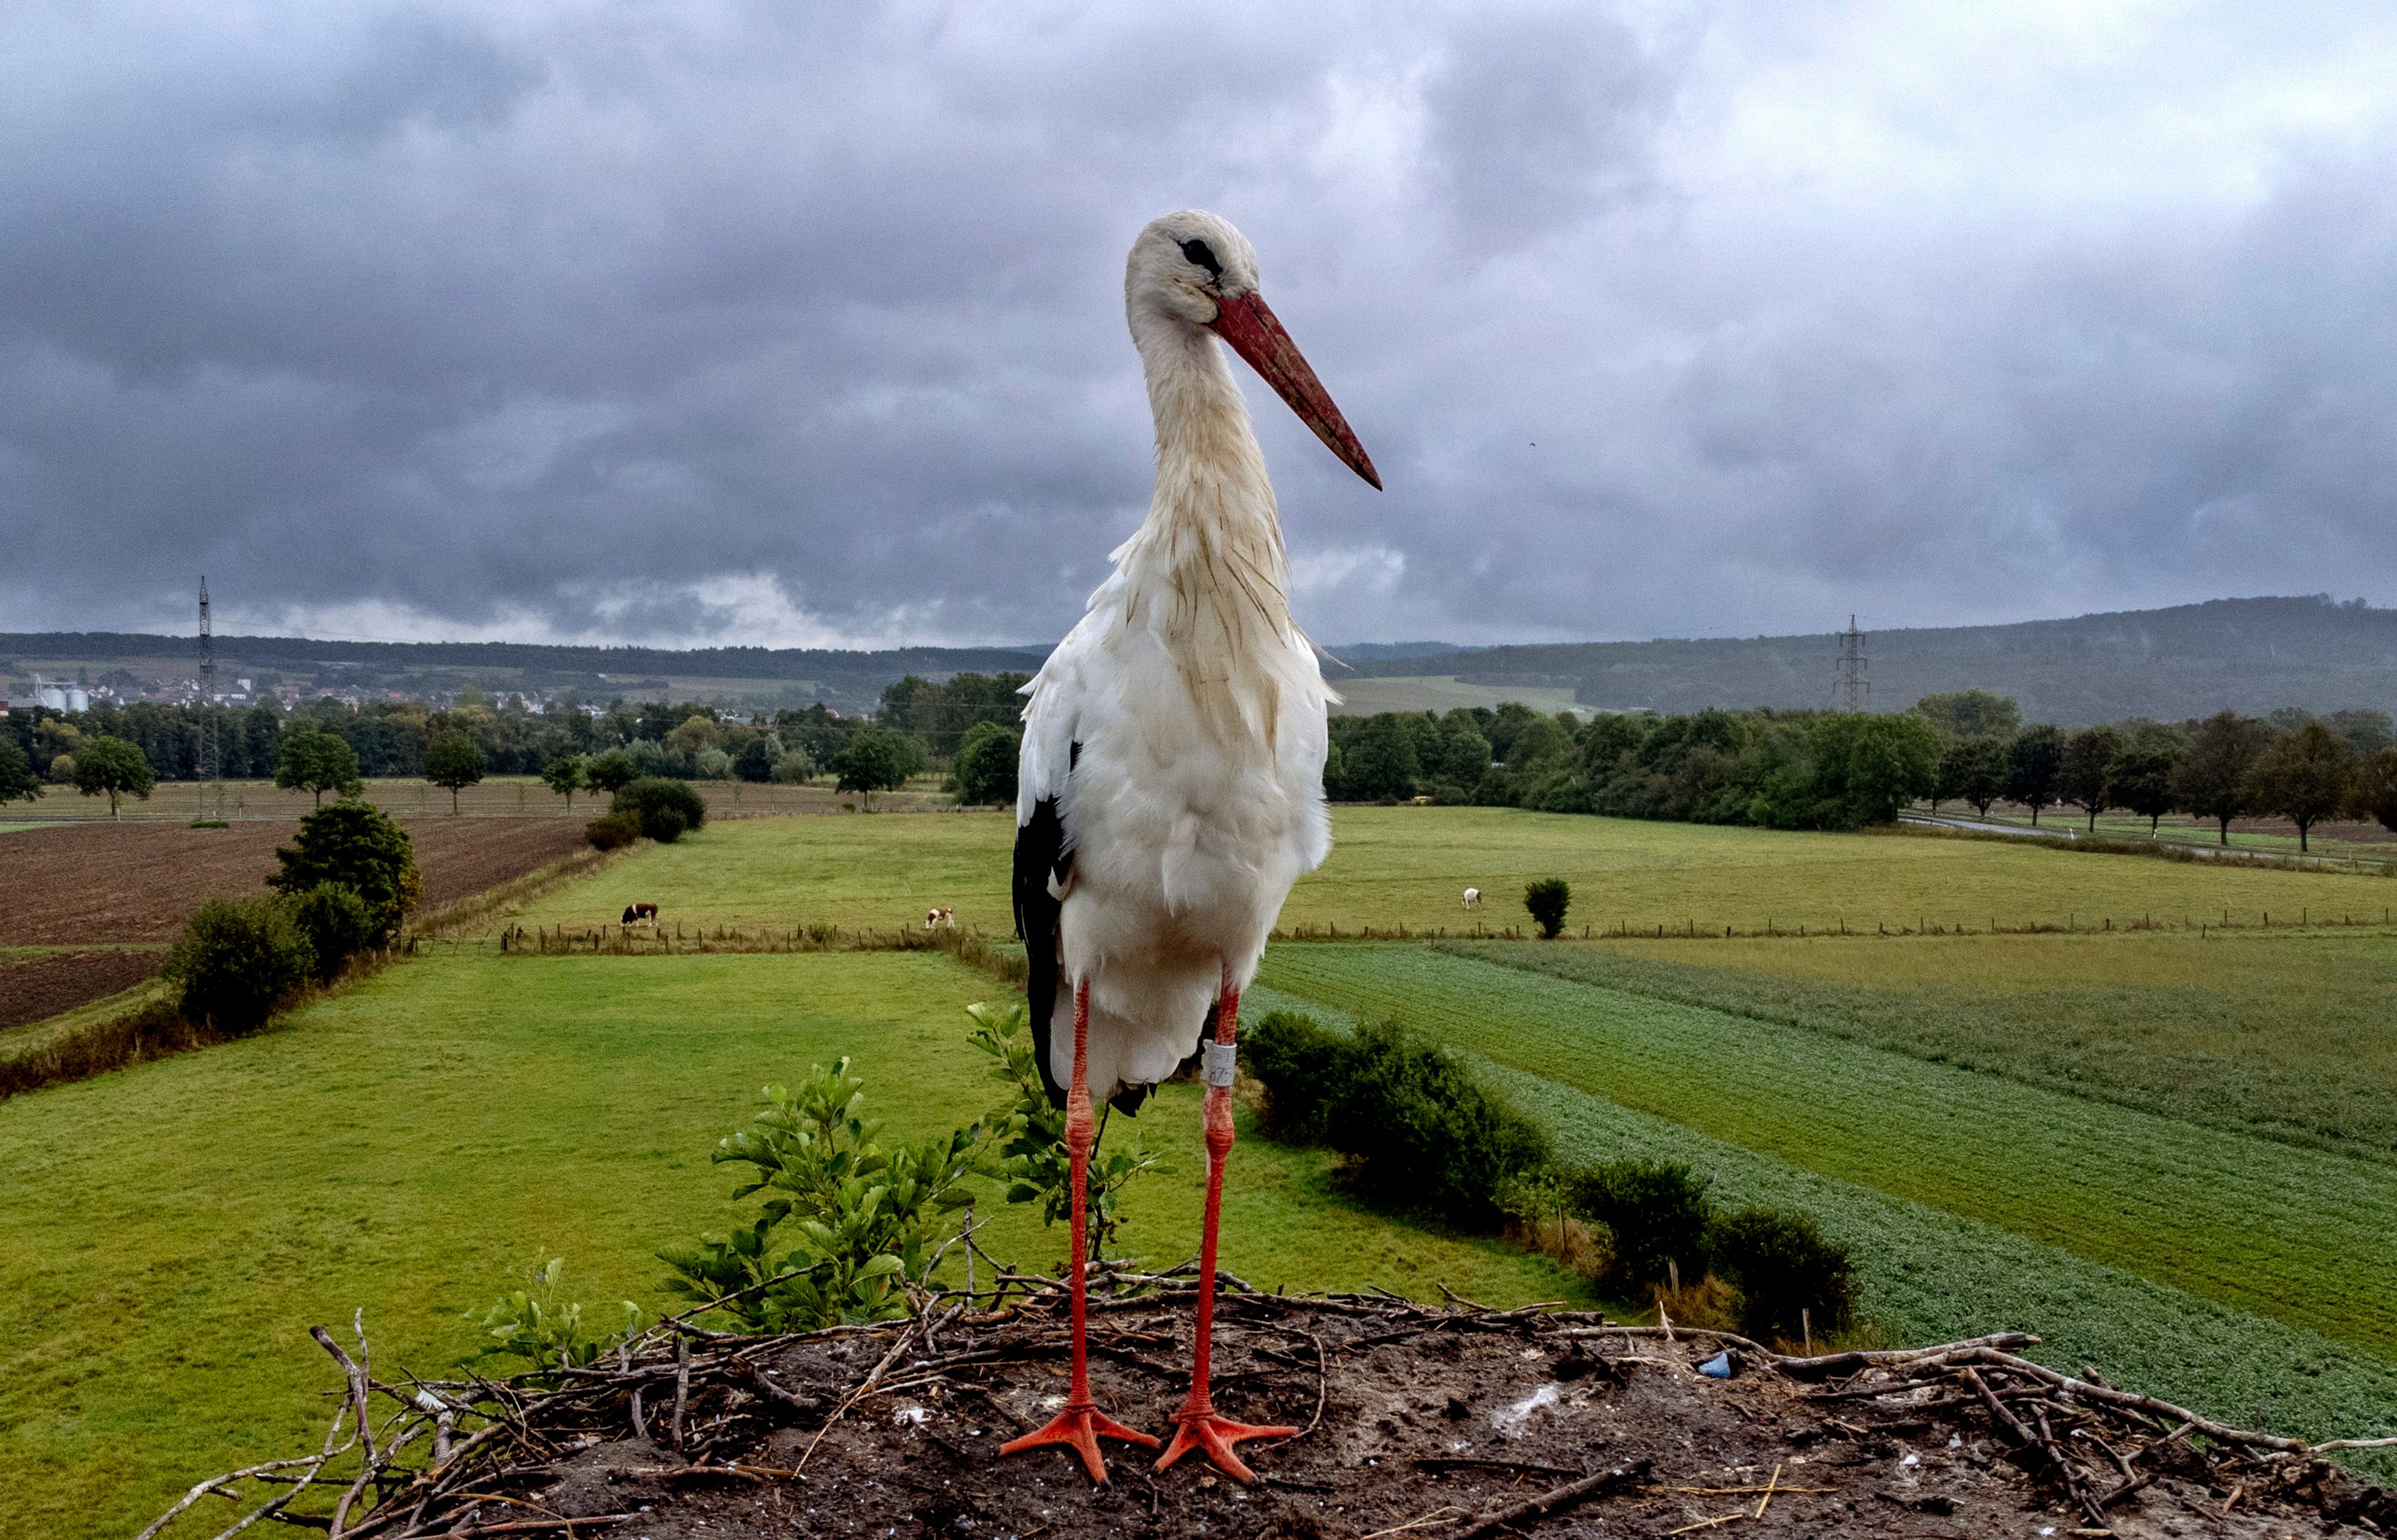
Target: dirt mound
(1444, 1425)
(86, 883)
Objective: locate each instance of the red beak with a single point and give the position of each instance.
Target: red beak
(1256, 335)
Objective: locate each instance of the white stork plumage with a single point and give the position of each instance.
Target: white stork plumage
(1172, 776)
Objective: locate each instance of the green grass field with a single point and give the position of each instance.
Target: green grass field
(1393, 866)
(1442, 692)
(2065, 1132)
(2299, 1235)
(2285, 1035)
(167, 1233)
(1928, 1274)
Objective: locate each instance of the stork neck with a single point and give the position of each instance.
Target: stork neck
(1198, 410)
(1206, 572)
(1211, 475)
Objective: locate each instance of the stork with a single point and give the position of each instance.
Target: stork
(1170, 782)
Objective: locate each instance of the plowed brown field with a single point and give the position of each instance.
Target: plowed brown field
(40, 986)
(86, 883)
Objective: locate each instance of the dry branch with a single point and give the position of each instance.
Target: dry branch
(1550, 1501)
(445, 1450)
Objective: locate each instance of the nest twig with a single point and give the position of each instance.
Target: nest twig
(451, 1456)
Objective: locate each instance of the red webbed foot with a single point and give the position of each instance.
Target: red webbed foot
(1081, 1429)
(1214, 1437)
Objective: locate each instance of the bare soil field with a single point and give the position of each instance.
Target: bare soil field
(40, 986)
(133, 883)
(510, 796)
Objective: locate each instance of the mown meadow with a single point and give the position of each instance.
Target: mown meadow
(1408, 866)
(2171, 1155)
(2291, 1234)
(417, 1145)
(2285, 1035)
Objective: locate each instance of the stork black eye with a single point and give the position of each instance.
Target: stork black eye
(1202, 255)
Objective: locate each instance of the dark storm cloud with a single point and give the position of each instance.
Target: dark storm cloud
(754, 323)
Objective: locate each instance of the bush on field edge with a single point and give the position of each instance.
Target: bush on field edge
(1422, 1133)
(663, 809)
(613, 831)
(239, 961)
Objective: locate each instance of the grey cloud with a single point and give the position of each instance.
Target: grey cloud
(610, 321)
(1540, 118)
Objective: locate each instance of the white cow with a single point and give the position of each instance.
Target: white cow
(935, 918)
(1473, 898)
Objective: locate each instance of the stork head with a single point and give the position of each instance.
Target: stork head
(1192, 269)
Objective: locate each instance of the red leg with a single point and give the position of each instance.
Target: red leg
(1196, 1425)
(1081, 1425)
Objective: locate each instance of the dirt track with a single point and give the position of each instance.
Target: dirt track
(86, 883)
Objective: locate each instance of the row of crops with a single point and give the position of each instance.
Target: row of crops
(2252, 1276)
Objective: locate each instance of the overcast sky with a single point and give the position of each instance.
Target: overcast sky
(802, 325)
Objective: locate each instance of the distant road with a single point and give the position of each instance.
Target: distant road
(2205, 852)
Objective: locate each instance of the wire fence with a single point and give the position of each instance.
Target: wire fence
(680, 938)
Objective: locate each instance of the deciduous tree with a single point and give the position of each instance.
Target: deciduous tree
(2141, 780)
(2374, 793)
(612, 771)
(316, 762)
(1975, 770)
(453, 760)
(18, 782)
(1378, 762)
(2212, 783)
(757, 759)
(2034, 765)
(361, 847)
(114, 767)
(2089, 755)
(875, 759)
(567, 774)
(2303, 777)
(986, 761)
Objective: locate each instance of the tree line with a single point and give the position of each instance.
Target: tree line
(2290, 764)
(1780, 769)
(1794, 770)
(1821, 769)
(328, 746)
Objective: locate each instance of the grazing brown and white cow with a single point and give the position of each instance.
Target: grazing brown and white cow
(1473, 898)
(639, 912)
(933, 917)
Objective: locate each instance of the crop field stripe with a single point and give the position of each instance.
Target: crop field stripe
(2298, 1235)
(2284, 1038)
(1927, 1275)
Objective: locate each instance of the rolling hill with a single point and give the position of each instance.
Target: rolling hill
(2254, 654)
(2191, 660)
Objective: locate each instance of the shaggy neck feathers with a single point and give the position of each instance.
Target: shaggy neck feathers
(1207, 569)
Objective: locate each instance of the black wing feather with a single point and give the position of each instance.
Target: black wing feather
(1043, 854)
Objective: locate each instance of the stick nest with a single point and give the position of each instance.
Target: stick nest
(1439, 1423)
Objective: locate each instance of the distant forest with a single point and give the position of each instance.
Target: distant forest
(2248, 655)
(750, 676)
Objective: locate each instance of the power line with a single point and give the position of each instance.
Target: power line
(1850, 688)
